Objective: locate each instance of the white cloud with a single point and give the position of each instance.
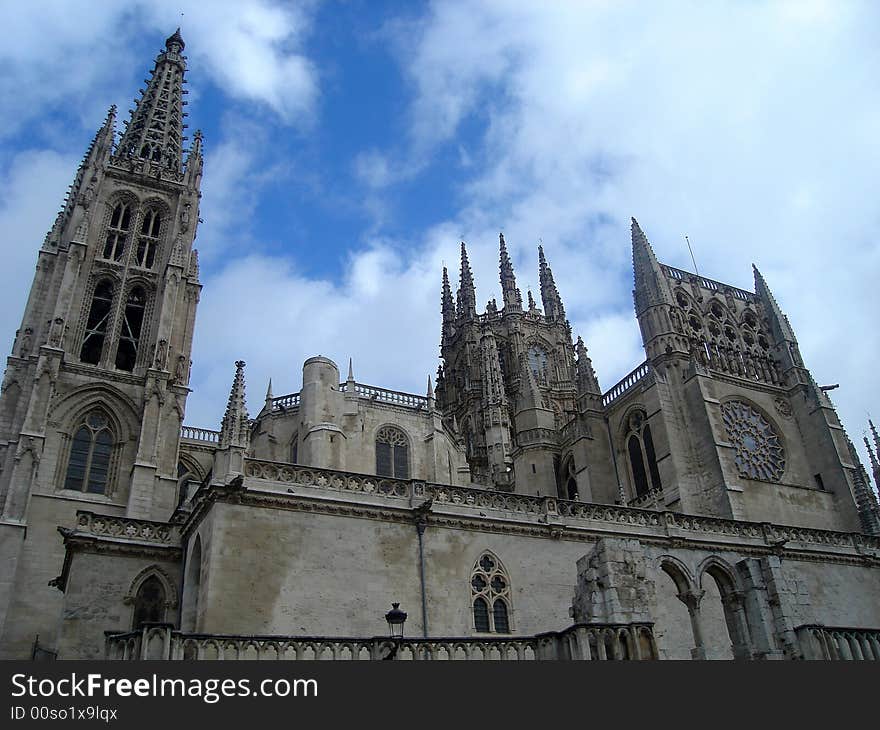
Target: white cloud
(61, 56)
(745, 126)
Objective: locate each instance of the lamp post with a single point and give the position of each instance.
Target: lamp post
(395, 618)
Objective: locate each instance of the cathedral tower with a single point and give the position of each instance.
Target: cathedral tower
(528, 411)
(96, 384)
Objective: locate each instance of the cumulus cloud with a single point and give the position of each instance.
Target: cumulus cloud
(744, 126)
(62, 61)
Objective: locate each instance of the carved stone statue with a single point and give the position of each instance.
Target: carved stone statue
(161, 355)
(56, 332)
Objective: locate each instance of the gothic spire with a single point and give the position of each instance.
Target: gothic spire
(447, 306)
(510, 294)
(651, 287)
(467, 293)
(553, 308)
(876, 438)
(234, 427)
(155, 131)
(778, 321)
(82, 190)
(587, 382)
(866, 500)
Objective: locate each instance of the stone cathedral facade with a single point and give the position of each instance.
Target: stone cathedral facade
(709, 505)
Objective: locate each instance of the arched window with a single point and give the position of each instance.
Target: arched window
(294, 449)
(149, 602)
(642, 459)
(132, 321)
(96, 324)
(88, 469)
(392, 453)
(117, 232)
(148, 240)
(490, 596)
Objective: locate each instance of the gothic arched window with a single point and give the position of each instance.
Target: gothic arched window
(294, 449)
(149, 602)
(132, 322)
(96, 324)
(148, 240)
(642, 457)
(117, 232)
(88, 468)
(392, 453)
(490, 596)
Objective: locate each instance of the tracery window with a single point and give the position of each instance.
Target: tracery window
(88, 468)
(117, 232)
(149, 602)
(96, 324)
(537, 356)
(759, 452)
(148, 241)
(642, 456)
(132, 322)
(392, 453)
(490, 596)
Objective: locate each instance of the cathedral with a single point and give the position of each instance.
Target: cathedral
(708, 506)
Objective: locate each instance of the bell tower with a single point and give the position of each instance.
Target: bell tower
(95, 387)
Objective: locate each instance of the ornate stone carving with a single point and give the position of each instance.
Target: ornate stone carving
(759, 453)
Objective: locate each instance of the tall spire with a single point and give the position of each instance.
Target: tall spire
(876, 438)
(467, 293)
(866, 500)
(447, 307)
(778, 321)
(587, 382)
(234, 429)
(553, 308)
(510, 294)
(155, 131)
(651, 287)
(82, 190)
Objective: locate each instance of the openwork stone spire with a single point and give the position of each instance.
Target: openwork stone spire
(587, 382)
(155, 132)
(82, 189)
(553, 308)
(866, 500)
(447, 307)
(512, 297)
(650, 284)
(782, 328)
(234, 431)
(467, 293)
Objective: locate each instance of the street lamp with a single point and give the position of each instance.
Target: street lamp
(396, 618)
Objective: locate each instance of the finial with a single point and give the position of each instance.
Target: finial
(175, 39)
(531, 301)
(350, 371)
(269, 391)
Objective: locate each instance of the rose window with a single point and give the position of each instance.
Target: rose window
(759, 454)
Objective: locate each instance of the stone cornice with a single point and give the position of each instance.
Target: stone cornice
(297, 488)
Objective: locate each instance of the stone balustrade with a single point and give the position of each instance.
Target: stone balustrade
(563, 512)
(828, 642)
(579, 642)
(626, 383)
(199, 434)
(710, 284)
(126, 528)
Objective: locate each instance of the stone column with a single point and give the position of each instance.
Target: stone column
(692, 599)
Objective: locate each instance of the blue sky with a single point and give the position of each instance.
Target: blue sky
(349, 146)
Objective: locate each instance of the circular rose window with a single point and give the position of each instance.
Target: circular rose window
(759, 453)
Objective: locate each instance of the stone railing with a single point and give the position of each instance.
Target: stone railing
(627, 382)
(710, 284)
(325, 478)
(579, 642)
(126, 528)
(199, 434)
(561, 512)
(828, 642)
(394, 397)
(285, 402)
